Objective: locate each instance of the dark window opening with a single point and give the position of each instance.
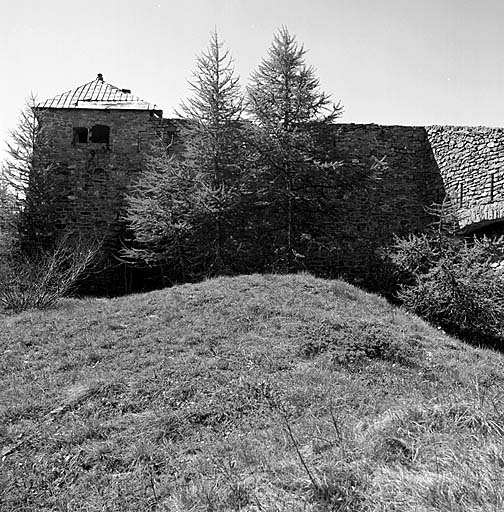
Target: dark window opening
(100, 133)
(80, 135)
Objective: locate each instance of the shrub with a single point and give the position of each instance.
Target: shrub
(452, 281)
(39, 279)
(361, 342)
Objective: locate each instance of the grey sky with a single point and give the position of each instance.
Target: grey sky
(389, 61)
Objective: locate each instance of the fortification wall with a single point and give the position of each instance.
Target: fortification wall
(90, 179)
(382, 199)
(391, 172)
(471, 164)
(408, 180)
(423, 164)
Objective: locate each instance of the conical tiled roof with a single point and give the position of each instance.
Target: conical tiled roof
(98, 94)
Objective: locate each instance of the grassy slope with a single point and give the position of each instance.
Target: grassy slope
(252, 393)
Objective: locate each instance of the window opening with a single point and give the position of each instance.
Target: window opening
(100, 133)
(80, 135)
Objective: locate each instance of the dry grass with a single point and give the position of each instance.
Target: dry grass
(257, 393)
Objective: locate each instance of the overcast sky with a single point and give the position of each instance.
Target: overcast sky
(389, 61)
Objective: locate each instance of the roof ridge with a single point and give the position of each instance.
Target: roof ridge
(67, 92)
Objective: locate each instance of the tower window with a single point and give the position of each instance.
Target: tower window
(100, 133)
(80, 135)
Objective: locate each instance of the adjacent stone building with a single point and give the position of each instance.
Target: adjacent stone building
(99, 135)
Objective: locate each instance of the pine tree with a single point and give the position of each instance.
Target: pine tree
(285, 101)
(183, 210)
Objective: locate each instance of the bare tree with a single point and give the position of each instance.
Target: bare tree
(39, 280)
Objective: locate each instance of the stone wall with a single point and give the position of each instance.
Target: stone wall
(471, 163)
(391, 173)
(91, 179)
(410, 178)
(379, 203)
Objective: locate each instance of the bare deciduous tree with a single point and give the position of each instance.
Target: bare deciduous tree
(39, 280)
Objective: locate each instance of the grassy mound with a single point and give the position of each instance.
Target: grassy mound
(257, 393)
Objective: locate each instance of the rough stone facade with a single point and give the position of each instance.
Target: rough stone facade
(92, 178)
(427, 163)
(380, 204)
(419, 166)
(471, 164)
(422, 166)
(410, 178)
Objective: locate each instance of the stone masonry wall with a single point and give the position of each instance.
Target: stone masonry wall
(422, 166)
(471, 163)
(92, 179)
(418, 167)
(378, 204)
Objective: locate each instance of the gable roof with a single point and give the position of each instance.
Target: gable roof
(98, 94)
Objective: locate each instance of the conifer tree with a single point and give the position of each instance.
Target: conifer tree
(183, 208)
(284, 92)
(8, 221)
(30, 177)
(285, 101)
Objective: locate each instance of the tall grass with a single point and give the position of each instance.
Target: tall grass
(257, 393)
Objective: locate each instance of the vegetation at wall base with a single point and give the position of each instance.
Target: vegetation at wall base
(255, 195)
(40, 278)
(38, 265)
(250, 393)
(453, 281)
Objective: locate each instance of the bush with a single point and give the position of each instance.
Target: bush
(452, 281)
(360, 342)
(39, 279)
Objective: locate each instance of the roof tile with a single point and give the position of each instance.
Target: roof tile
(97, 94)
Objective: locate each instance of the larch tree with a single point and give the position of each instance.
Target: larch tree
(29, 176)
(183, 208)
(285, 101)
(8, 221)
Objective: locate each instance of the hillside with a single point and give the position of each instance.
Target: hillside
(257, 393)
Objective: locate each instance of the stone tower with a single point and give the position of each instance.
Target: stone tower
(99, 136)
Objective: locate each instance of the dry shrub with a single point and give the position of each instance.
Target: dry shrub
(39, 279)
(461, 291)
